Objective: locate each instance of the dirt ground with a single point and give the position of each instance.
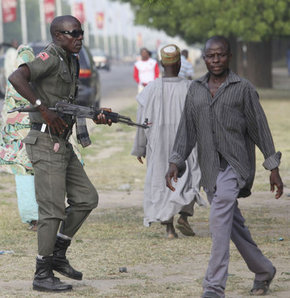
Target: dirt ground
(184, 271)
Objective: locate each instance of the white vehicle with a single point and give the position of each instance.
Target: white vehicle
(101, 59)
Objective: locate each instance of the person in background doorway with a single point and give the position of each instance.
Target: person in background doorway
(145, 70)
(186, 69)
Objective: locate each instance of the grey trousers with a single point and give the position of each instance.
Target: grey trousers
(226, 222)
(58, 175)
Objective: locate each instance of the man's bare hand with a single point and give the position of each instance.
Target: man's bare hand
(171, 173)
(275, 180)
(101, 118)
(56, 123)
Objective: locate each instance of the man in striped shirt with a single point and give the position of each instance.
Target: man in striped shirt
(223, 116)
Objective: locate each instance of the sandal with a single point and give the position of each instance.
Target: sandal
(33, 226)
(261, 288)
(184, 227)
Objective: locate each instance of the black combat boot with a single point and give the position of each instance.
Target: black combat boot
(59, 261)
(44, 280)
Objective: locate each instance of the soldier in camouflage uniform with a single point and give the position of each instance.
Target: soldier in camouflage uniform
(52, 77)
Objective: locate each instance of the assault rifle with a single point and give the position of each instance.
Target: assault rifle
(65, 108)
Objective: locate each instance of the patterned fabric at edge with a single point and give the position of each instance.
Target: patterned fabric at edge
(15, 126)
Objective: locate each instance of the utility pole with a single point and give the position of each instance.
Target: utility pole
(42, 21)
(1, 24)
(86, 26)
(58, 8)
(119, 33)
(23, 21)
(80, 13)
(106, 34)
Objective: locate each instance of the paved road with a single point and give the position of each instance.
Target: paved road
(118, 79)
(118, 87)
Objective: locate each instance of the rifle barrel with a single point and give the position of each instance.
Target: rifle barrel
(81, 111)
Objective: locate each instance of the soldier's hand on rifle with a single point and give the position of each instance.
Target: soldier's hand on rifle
(101, 118)
(56, 123)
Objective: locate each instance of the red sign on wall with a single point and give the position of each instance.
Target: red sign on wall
(100, 20)
(79, 12)
(9, 10)
(49, 10)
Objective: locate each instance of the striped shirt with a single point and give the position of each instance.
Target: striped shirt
(229, 124)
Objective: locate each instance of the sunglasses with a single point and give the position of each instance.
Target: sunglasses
(75, 33)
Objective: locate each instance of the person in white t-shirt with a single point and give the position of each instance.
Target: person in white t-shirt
(145, 70)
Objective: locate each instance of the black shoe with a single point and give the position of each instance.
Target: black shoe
(50, 284)
(62, 266)
(59, 261)
(44, 279)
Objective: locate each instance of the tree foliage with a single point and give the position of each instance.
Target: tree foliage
(195, 20)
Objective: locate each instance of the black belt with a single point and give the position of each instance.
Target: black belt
(44, 128)
(40, 126)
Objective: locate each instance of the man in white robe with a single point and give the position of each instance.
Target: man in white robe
(161, 103)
